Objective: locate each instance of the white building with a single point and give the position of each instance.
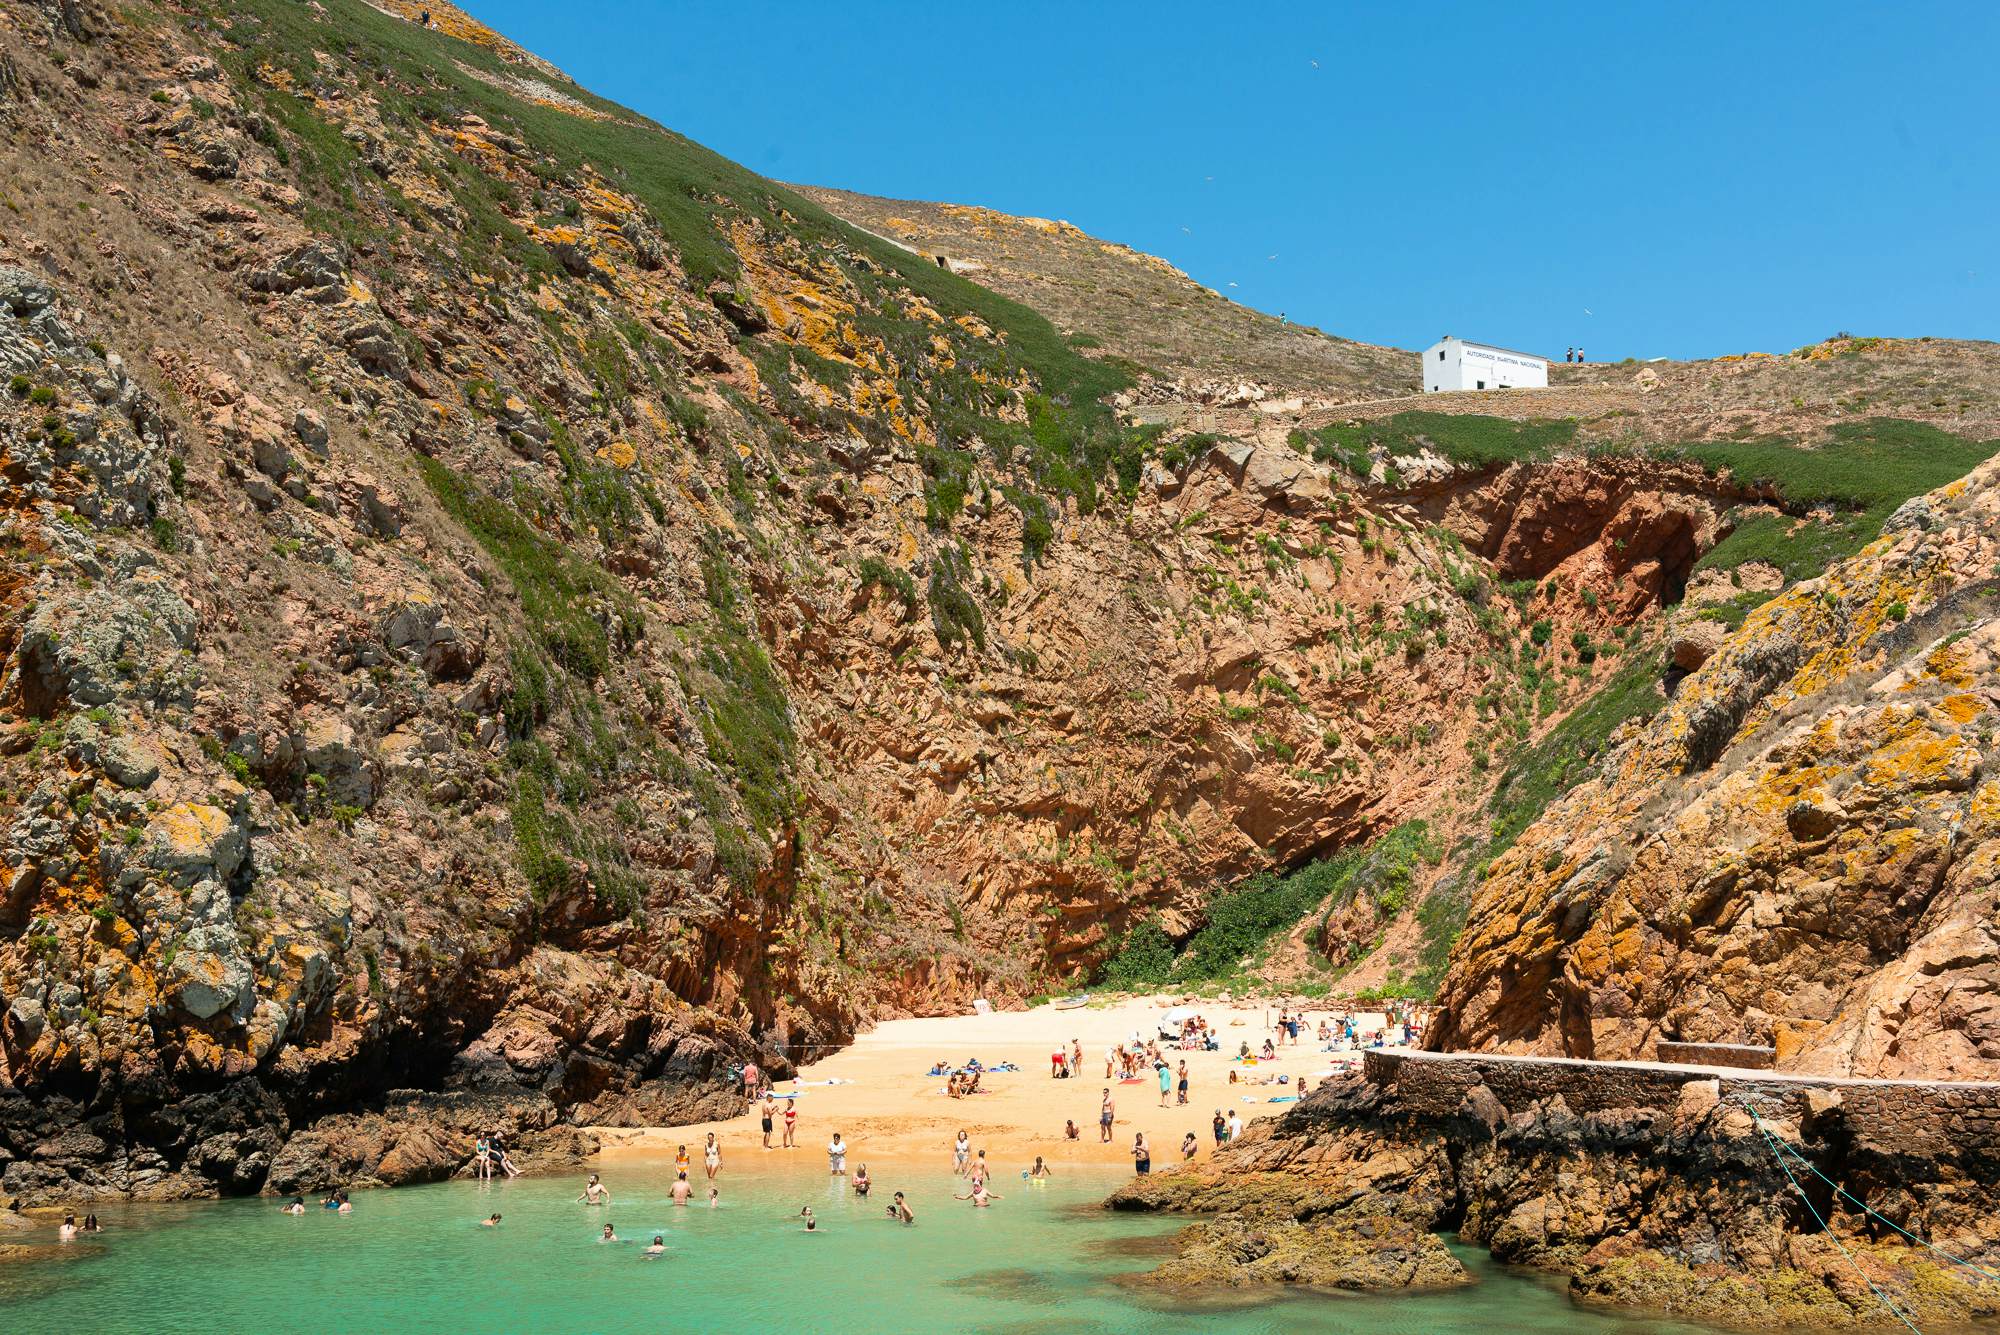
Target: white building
(1452, 363)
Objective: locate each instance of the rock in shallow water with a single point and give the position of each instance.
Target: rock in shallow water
(1345, 1252)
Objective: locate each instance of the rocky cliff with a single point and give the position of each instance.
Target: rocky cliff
(1653, 1187)
(506, 614)
(1798, 851)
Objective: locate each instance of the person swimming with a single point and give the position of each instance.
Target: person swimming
(66, 1231)
(341, 1204)
(659, 1247)
(607, 1235)
(812, 1223)
(491, 1221)
(899, 1210)
(297, 1205)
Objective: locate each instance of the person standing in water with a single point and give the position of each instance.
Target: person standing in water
(682, 1188)
(711, 1155)
(961, 1153)
(836, 1156)
(66, 1231)
(860, 1181)
(595, 1192)
(899, 1210)
(1040, 1170)
(714, 1198)
(979, 1196)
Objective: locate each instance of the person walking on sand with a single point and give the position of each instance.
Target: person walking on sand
(711, 1155)
(595, 1192)
(770, 1111)
(1104, 1118)
(1142, 1154)
(961, 1153)
(836, 1156)
(1076, 1057)
(1235, 1125)
(1183, 1082)
(1166, 1075)
(682, 1188)
(791, 1124)
(1221, 1129)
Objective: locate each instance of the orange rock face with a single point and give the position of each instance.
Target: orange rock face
(1799, 851)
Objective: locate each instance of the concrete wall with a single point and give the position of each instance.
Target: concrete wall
(1937, 1121)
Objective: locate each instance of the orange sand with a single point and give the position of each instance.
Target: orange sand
(888, 1110)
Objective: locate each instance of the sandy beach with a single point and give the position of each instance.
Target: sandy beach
(888, 1110)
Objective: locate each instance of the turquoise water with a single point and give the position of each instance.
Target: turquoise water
(1042, 1260)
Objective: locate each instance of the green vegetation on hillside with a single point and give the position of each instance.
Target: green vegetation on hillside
(1241, 921)
(1860, 474)
(1468, 440)
(1538, 775)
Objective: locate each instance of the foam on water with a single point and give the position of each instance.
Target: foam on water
(416, 1259)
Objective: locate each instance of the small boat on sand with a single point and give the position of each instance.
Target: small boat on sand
(1070, 1003)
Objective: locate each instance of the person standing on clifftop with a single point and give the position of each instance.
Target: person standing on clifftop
(1104, 1118)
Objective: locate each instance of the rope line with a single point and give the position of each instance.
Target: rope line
(1805, 1200)
(1973, 1266)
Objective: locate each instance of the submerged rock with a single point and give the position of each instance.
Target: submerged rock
(1348, 1251)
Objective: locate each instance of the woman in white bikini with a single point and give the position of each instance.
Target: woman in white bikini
(961, 1151)
(711, 1154)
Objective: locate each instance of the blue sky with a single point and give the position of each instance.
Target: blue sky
(1679, 180)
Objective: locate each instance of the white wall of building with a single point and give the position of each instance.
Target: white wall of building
(1452, 364)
